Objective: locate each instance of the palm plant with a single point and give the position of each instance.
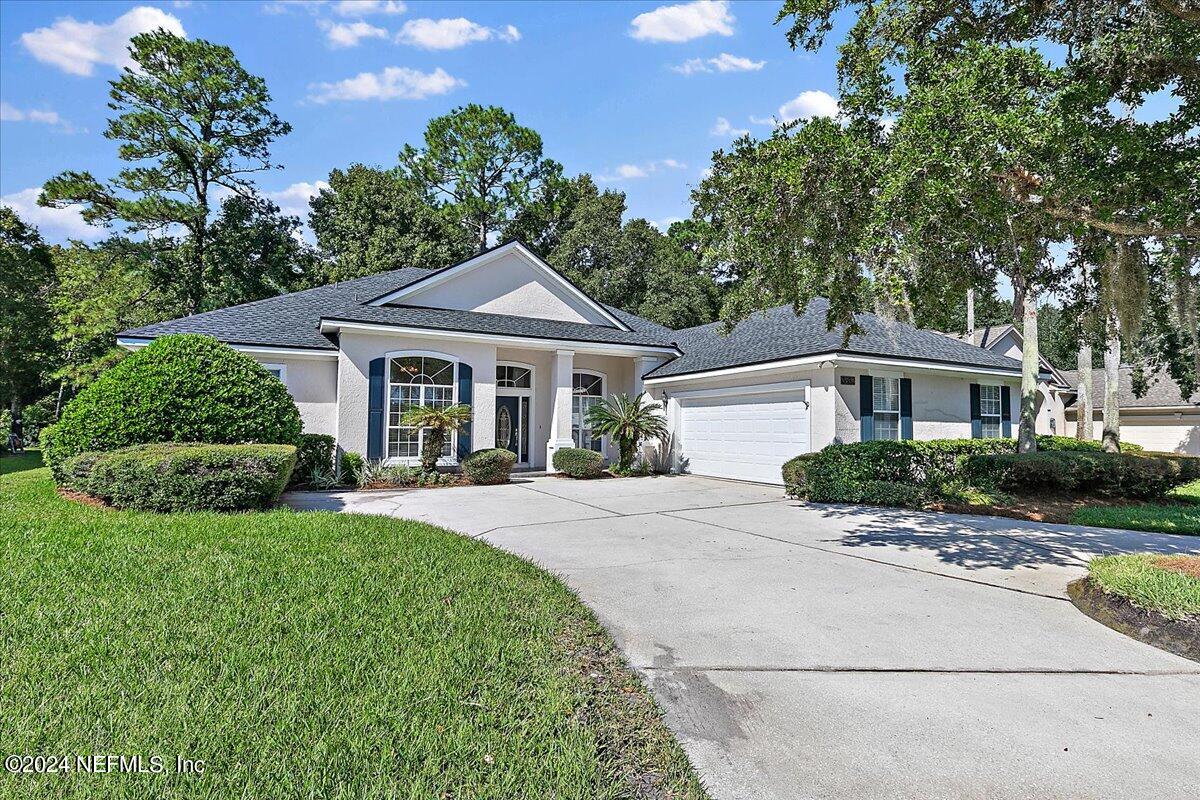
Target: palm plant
(629, 421)
(436, 423)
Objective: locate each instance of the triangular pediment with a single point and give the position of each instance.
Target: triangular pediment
(509, 279)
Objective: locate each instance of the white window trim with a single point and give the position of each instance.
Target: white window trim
(899, 412)
(603, 396)
(282, 371)
(408, 461)
(999, 418)
(531, 393)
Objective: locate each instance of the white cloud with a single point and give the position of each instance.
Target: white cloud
(683, 22)
(625, 172)
(770, 122)
(293, 200)
(391, 83)
(52, 223)
(731, 63)
(722, 63)
(10, 113)
(77, 47)
(448, 34)
(807, 105)
(361, 8)
(349, 34)
(723, 128)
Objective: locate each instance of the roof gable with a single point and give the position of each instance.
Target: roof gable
(508, 280)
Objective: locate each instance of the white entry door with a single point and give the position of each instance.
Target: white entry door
(746, 435)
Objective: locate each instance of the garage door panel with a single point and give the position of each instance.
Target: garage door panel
(744, 437)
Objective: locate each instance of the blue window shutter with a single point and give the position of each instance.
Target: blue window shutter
(976, 414)
(1005, 412)
(866, 408)
(906, 426)
(464, 398)
(377, 388)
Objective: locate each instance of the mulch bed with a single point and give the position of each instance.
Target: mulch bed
(1043, 508)
(1178, 636)
(80, 497)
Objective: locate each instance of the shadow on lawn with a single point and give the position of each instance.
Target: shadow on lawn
(30, 459)
(988, 542)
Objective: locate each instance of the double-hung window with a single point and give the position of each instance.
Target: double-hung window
(885, 402)
(416, 381)
(588, 390)
(989, 411)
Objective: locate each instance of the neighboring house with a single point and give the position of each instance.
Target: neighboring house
(1162, 420)
(531, 352)
(1054, 391)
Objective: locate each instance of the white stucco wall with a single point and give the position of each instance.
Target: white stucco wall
(508, 285)
(312, 383)
(357, 351)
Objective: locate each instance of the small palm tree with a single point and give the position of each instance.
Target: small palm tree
(436, 422)
(629, 421)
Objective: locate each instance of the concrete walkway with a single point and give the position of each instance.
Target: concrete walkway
(844, 652)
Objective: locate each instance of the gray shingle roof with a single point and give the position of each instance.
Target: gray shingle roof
(500, 324)
(1163, 391)
(293, 320)
(779, 333)
(290, 320)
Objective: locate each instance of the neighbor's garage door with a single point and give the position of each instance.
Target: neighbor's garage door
(743, 436)
(1165, 434)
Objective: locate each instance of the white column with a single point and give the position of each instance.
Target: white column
(561, 389)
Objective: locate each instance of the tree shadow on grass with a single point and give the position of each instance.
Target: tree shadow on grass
(976, 542)
(21, 462)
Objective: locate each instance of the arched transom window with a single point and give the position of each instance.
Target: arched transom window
(417, 381)
(588, 390)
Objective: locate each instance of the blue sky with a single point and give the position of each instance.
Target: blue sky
(634, 93)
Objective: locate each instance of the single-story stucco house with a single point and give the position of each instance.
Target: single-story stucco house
(531, 352)
(1161, 420)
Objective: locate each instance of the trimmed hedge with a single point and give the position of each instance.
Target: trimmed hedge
(350, 467)
(314, 457)
(840, 473)
(489, 467)
(1092, 473)
(181, 388)
(184, 477)
(578, 463)
(1058, 444)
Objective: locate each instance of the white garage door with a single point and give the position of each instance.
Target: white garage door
(1167, 435)
(747, 437)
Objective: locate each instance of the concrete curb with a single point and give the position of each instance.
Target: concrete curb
(1181, 637)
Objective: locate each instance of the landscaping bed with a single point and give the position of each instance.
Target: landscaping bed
(1153, 598)
(311, 655)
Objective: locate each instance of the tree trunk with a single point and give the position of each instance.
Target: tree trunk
(435, 442)
(1027, 432)
(1111, 441)
(1083, 399)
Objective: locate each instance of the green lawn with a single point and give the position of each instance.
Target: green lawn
(1182, 516)
(1136, 578)
(306, 655)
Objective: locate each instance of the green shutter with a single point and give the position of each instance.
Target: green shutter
(866, 408)
(376, 391)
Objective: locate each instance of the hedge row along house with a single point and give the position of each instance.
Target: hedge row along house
(531, 353)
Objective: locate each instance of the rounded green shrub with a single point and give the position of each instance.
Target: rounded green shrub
(184, 477)
(795, 474)
(489, 467)
(314, 459)
(578, 463)
(181, 388)
(1071, 444)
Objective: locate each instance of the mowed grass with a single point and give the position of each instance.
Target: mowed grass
(306, 655)
(1141, 579)
(1180, 516)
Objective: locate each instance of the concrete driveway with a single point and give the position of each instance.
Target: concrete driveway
(805, 651)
